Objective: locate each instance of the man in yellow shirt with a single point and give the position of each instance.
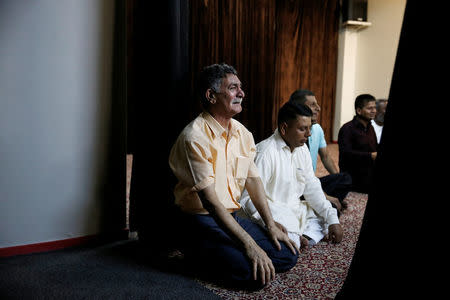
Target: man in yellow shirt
(213, 162)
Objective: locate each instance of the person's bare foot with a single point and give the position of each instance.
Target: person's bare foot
(336, 203)
(344, 205)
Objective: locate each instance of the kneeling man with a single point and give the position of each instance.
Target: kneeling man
(295, 196)
(213, 159)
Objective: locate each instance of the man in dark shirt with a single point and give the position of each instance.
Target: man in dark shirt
(358, 144)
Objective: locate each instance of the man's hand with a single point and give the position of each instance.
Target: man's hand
(334, 201)
(255, 189)
(281, 227)
(335, 233)
(262, 264)
(373, 155)
(278, 233)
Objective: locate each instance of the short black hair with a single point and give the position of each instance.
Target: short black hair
(363, 99)
(299, 96)
(211, 78)
(291, 110)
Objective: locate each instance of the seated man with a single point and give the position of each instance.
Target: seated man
(285, 167)
(358, 144)
(213, 162)
(378, 121)
(336, 185)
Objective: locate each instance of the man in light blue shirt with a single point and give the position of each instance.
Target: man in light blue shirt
(317, 141)
(335, 185)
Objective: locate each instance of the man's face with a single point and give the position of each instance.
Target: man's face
(382, 109)
(368, 111)
(379, 116)
(296, 132)
(228, 99)
(312, 103)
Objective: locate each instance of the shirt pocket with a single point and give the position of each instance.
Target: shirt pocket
(242, 165)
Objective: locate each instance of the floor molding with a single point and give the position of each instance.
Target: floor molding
(60, 244)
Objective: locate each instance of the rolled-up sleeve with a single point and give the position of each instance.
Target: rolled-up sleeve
(200, 164)
(192, 162)
(250, 145)
(253, 170)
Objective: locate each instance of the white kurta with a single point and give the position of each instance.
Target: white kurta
(286, 177)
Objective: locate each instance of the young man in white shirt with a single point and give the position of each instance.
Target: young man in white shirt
(285, 167)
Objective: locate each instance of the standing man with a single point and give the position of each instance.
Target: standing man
(378, 121)
(213, 161)
(358, 144)
(336, 185)
(295, 195)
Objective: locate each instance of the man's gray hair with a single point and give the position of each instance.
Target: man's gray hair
(211, 78)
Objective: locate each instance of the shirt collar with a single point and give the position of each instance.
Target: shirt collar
(216, 128)
(280, 143)
(360, 125)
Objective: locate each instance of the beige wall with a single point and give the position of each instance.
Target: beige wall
(377, 47)
(366, 57)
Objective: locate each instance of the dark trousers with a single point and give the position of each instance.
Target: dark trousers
(337, 185)
(362, 181)
(213, 253)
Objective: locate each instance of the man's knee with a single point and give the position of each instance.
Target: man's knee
(290, 262)
(241, 276)
(346, 179)
(284, 260)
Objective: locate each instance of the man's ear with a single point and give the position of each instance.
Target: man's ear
(358, 111)
(210, 96)
(282, 128)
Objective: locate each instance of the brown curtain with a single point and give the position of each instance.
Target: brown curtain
(276, 46)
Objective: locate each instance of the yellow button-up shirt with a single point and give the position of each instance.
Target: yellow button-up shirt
(204, 154)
